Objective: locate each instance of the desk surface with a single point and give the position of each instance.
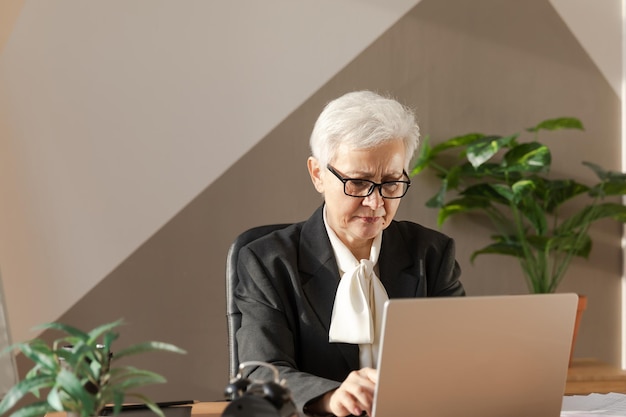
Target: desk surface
(208, 409)
(586, 376)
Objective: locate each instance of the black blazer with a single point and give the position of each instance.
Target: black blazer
(286, 291)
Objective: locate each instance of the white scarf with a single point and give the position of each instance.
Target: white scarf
(358, 310)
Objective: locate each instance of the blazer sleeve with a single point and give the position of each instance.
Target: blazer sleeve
(264, 296)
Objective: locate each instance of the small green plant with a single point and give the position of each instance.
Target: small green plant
(77, 373)
(508, 181)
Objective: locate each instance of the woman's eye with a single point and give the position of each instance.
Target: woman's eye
(360, 185)
(391, 186)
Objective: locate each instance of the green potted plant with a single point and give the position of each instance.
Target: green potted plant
(507, 180)
(77, 373)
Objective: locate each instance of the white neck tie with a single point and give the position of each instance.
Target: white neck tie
(358, 309)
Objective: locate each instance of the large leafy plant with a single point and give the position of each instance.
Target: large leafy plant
(507, 180)
(76, 373)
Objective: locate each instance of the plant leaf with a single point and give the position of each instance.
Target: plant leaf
(75, 388)
(553, 193)
(528, 157)
(490, 192)
(504, 191)
(457, 141)
(461, 205)
(438, 200)
(71, 330)
(96, 333)
(590, 214)
(577, 245)
(149, 347)
(22, 388)
(37, 409)
(534, 213)
(484, 149)
(128, 377)
(118, 399)
(54, 399)
(557, 124)
(39, 352)
(499, 248)
(605, 175)
(424, 156)
(609, 188)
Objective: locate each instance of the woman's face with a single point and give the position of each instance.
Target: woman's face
(357, 220)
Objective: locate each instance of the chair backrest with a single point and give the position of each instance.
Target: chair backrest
(233, 315)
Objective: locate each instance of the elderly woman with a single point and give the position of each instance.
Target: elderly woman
(302, 288)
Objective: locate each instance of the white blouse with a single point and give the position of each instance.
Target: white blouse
(358, 309)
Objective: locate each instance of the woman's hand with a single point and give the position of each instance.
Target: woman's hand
(355, 395)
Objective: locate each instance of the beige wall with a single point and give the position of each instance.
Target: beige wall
(206, 165)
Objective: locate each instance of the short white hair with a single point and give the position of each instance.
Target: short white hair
(363, 120)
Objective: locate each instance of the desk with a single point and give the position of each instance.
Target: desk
(586, 376)
(208, 409)
(199, 409)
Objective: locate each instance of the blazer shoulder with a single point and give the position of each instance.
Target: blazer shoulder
(307, 236)
(277, 240)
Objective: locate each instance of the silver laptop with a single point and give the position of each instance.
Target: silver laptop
(489, 356)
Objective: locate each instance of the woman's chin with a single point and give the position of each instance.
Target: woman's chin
(368, 231)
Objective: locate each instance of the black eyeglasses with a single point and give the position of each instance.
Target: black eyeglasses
(356, 187)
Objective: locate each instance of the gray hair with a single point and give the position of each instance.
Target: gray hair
(362, 120)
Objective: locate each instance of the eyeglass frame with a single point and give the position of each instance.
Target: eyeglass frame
(373, 186)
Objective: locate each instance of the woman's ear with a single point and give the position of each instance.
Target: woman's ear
(315, 172)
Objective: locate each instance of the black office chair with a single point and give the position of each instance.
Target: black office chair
(233, 315)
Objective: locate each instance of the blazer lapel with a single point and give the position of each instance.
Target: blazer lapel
(397, 267)
(320, 277)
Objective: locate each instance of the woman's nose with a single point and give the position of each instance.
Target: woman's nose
(374, 200)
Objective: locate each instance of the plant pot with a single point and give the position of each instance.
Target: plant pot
(582, 306)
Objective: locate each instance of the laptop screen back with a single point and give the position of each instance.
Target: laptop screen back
(489, 356)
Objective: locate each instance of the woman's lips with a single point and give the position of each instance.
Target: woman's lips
(370, 219)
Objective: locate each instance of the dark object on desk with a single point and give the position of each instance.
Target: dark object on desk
(170, 409)
(250, 398)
